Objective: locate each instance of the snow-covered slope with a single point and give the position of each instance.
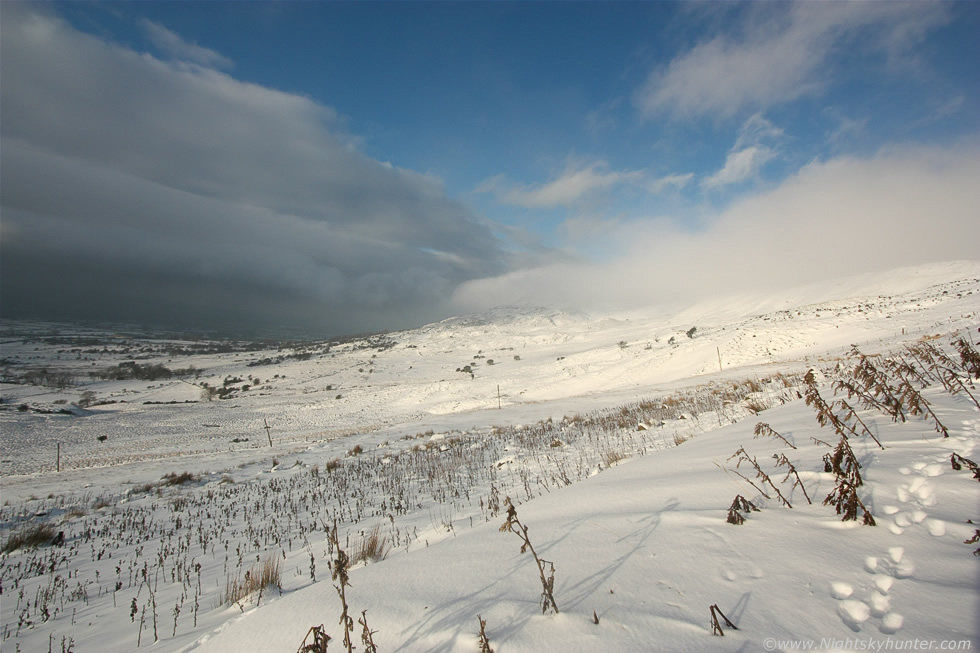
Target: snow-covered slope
(420, 435)
(646, 547)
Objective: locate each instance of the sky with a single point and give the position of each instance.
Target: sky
(341, 167)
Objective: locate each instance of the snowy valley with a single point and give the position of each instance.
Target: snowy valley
(196, 482)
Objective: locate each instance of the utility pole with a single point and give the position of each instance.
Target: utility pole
(718, 349)
(498, 396)
(268, 431)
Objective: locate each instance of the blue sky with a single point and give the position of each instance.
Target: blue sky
(347, 166)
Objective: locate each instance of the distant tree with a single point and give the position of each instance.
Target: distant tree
(208, 393)
(691, 332)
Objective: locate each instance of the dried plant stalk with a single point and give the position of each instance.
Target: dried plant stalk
(484, 640)
(765, 430)
(547, 582)
(783, 461)
(319, 643)
(957, 462)
(844, 497)
(715, 626)
(740, 505)
(743, 456)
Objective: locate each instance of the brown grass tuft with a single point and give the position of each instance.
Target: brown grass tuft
(373, 546)
(31, 536)
(262, 574)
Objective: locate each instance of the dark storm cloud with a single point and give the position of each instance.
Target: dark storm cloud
(134, 188)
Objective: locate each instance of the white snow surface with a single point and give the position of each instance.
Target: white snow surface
(641, 543)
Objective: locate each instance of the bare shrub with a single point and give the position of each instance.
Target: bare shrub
(178, 479)
(32, 536)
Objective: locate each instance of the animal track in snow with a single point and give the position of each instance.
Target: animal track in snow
(918, 490)
(903, 520)
(879, 603)
(897, 564)
(883, 583)
(892, 623)
(840, 590)
(935, 469)
(896, 553)
(886, 569)
(926, 469)
(853, 613)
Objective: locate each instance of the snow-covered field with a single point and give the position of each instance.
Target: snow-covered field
(418, 437)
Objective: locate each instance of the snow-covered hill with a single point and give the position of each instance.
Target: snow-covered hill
(421, 435)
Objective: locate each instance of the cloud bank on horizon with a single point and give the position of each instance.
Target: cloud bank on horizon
(352, 167)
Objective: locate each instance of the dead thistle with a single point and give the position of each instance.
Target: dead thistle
(846, 468)
(319, 643)
(367, 635)
(957, 461)
(338, 573)
(783, 461)
(969, 356)
(744, 457)
(484, 640)
(547, 582)
(740, 504)
(765, 430)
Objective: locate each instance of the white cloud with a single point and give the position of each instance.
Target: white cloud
(571, 186)
(587, 229)
(780, 53)
(578, 182)
(174, 46)
(847, 128)
(740, 165)
(757, 129)
(843, 216)
(676, 182)
(755, 145)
